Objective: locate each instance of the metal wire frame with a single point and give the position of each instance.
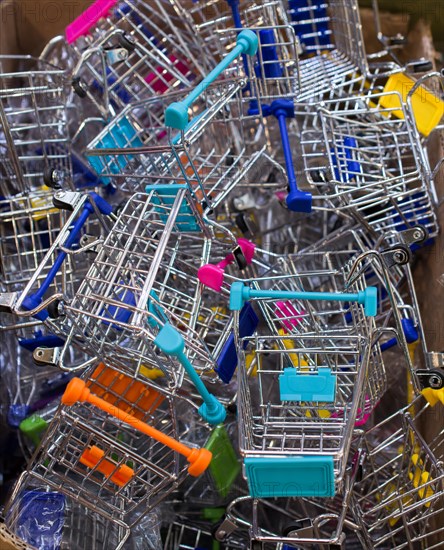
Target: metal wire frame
(272, 427)
(47, 285)
(122, 69)
(401, 493)
(210, 21)
(373, 170)
(73, 524)
(28, 225)
(151, 256)
(34, 141)
(155, 469)
(379, 266)
(309, 523)
(136, 148)
(186, 534)
(77, 527)
(330, 34)
(143, 21)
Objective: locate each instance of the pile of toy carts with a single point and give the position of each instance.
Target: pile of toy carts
(209, 211)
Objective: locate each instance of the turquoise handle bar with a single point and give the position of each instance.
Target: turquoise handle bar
(240, 293)
(176, 114)
(170, 341)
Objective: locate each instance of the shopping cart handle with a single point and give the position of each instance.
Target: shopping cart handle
(234, 5)
(297, 201)
(86, 20)
(227, 360)
(77, 392)
(171, 342)
(176, 114)
(33, 301)
(240, 293)
(410, 333)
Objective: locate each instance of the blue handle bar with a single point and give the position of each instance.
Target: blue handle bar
(240, 293)
(34, 300)
(410, 333)
(176, 114)
(281, 109)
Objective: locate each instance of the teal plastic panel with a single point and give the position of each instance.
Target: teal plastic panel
(296, 386)
(119, 136)
(296, 476)
(165, 197)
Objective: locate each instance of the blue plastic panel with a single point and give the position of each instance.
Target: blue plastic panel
(41, 519)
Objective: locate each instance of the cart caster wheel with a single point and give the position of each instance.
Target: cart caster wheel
(232, 408)
(79, 87)
(242, 225)
(256, 545)
(435, 379)
(398, 40)
(51, 178)
(421, 234)
(421, 66)
(290, 529)
(54, 309)
(402, 254)
(240, 258)
(127, 42)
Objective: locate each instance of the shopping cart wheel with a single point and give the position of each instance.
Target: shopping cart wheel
(256, 545)
(79, 87)
(52, 178)
(127, 42)
(420, 66)
(401, 254)
(240, 258)
(292, 529)
(398, 40)
(54, 309)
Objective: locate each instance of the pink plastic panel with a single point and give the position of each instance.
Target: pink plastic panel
(81, 26)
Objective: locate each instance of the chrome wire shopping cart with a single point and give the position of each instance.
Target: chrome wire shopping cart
(114, 447)
(34, 141)
(295, 521)
(373, 169)
(154, 141)
(29, 224)
(128, 50)
(330, 36)
(400, 498)
(299, 412)
(139, 303)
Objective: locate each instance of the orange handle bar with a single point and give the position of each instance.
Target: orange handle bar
(199, 459)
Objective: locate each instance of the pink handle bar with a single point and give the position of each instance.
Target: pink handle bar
(81, 26)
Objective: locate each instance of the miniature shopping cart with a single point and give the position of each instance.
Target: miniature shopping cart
(128, 50)
(141, 295)
(34, 141)
(154, 141)
(41, 516)
(300, 411)
(373, 168)
(400, 498)
(114, 447)
(295, 521)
